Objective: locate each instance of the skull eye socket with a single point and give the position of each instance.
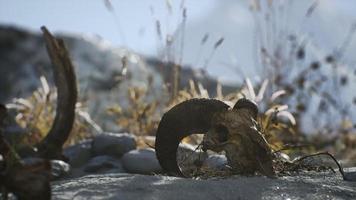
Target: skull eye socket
(223, 133)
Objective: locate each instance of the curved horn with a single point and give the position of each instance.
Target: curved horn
(189, 117)
(65, 81)
(247, 104)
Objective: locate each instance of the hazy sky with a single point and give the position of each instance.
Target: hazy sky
(133, 25)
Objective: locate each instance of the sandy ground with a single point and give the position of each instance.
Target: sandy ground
(326, 185)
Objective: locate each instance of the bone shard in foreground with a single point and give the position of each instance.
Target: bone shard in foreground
(65, 81)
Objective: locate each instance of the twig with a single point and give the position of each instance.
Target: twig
(217, 44)
(185, 158)
(151, 146)
(341, 170)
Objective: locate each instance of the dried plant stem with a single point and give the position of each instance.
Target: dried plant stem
(176, 80)
(341, 170)
(191, 153)
(184, 20)
(217, 44)
(112, 10)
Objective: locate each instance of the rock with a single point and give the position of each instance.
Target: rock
(113, 144)
(79, 154)
(76, 172)
(350, 176)
(215, 162)
(141, 161)
(311, 185)
(59, 168)
(282, 156)
(104, 164)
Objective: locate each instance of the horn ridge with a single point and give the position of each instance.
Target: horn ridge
(65, 81)
(247, 104)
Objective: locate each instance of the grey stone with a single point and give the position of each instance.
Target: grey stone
(141, 161)
(104, 164)
(76, 172)
(217, 162)
(113, 144)
(78, 154)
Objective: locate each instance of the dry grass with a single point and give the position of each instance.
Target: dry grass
(36, 114)
(292, 61)
(141, 118)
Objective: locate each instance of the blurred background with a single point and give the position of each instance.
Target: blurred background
(132, 25)
(295, 58)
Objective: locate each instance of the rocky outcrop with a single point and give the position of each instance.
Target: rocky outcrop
(312, 185)
(104, 73)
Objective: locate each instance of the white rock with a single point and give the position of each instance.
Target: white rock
(141, 161)
(59, 168)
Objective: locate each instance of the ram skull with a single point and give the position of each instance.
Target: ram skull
(233, 130)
